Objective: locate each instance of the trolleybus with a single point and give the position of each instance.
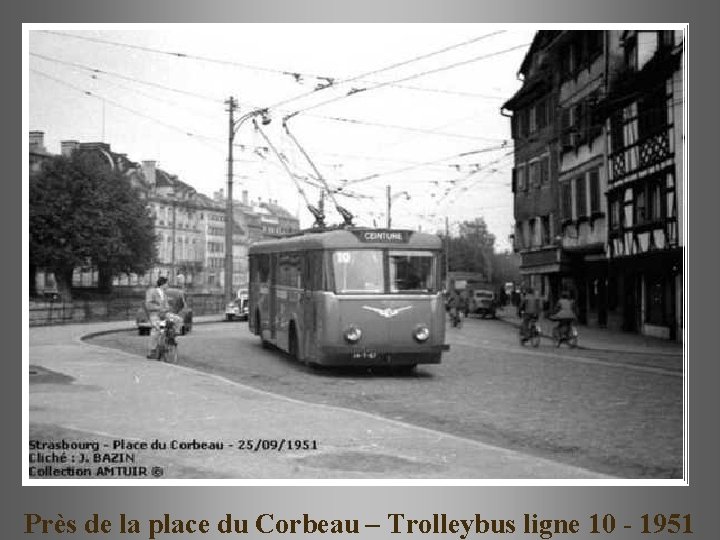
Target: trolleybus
(350, 297)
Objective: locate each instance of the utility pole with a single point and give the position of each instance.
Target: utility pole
(172, 257)
(229, 221)
(447, 253)
(389, 204)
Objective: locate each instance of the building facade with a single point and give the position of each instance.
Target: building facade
(534, 122)
(607, 228)
(643, 115)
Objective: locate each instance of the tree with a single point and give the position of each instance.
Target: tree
(82, 213)
(472, 250)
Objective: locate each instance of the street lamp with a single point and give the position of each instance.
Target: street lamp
(390, 199)
(234, 126)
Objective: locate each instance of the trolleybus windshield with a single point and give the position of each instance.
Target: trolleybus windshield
(358, 271)
(362, 271)
(412, 271)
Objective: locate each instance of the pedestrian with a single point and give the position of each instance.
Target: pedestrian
(454, 305)
(156, 306)
(502, 297)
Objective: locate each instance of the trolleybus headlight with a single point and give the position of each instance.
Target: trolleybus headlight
(421, 333)
(352, 334)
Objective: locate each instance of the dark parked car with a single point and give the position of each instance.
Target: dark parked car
(483, 303)
(178, 305)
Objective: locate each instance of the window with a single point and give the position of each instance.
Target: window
(290, 270)
(581, 196)
(639, 206)
(519, 244)
(654, 202)
(533, 239)
(568, 60)
(532, 120)
(260, 268)
(595, 191)
(541, 114)
(566, 201)
(524, 123)
(652, 112)
(594, 44)
(569, 124)
(314, 275)
(545, 230)
(545, 169)
(579, 122)
(534, 179)
(617, 139)
(358, 271)
(521, 184)
(666, 39)
(412, 271)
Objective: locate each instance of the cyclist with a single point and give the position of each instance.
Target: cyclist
(529, 310)
(156, 305)
(564, 313)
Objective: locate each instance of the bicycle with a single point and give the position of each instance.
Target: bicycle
(566, 332)
(166, 343)
(532, 333)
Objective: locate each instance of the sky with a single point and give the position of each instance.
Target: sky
(413, 106)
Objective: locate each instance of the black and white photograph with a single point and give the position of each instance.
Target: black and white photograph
(355, 254)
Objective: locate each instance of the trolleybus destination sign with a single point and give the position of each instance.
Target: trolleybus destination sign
(383, 236)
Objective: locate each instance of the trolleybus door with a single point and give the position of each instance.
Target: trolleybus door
(312, 281)
(273, 295)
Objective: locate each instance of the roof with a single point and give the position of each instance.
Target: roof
(349, 238)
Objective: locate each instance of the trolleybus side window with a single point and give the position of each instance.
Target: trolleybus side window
(260, 268)
(412, 271)
(358, 271)
(290, 269)
(314, 271)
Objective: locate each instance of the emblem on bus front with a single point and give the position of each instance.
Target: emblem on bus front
(387, 313)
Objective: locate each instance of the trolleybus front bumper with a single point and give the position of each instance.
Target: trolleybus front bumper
(380, 356)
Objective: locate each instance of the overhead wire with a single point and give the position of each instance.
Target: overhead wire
(356, 91)
(96, 72)
(296, 75)
(189, 132)
(125, 108)
(124, 77)
(431, 162)
(405, 128)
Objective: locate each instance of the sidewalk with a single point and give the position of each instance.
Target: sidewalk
(82, 392)
(593, 338)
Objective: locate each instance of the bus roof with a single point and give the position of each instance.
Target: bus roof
(350, 238)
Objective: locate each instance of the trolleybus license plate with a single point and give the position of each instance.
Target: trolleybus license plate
(364, 353)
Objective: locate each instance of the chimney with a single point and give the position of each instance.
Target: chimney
(68, 147)
(37, 140)
(245, 197)
(148, 169)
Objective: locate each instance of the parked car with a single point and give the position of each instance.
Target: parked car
(237, 309)
(178, 305)
(483, 302)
